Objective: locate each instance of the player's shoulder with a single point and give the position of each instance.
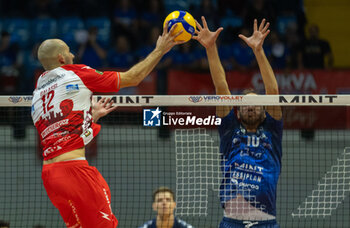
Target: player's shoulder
(147, 224)
(76, 67)
(183, 224)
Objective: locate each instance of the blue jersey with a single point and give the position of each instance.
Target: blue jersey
(178, 223)
(251, 162)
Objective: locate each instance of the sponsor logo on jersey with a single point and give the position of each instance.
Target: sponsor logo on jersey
(309, 99)
(54, 127)
(58, 77)
(99, 72)
(87, 133)
(51, 150)
(72, 88)
(105, 216)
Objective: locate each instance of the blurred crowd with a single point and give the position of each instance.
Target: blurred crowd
(118, 33)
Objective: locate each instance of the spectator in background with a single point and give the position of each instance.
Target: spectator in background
(10, 64)
(32, 66)
(183, 57)
(152, 15)
(71, 8)
(42, 8)
(164, 204)
(292, 40)
(4, 224)
(278, 52)
(91, 53)
(125, 20)
(243, 56)
(237, 7)
(120, 55)
(315, 53)
(259, 9)
(143, 51)
(209, 10)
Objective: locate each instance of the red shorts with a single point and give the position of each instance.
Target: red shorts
(80, 193)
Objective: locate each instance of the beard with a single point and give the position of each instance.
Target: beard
(252, 120)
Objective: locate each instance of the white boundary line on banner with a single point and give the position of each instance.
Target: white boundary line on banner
(204, 100)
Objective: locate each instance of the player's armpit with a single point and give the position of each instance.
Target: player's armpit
(222, 111)
(275, 112)
(126, 80)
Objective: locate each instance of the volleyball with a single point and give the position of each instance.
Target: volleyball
(186, 23)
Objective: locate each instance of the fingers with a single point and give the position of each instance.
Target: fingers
(244, 38)
(205, 25)
(199, 27)
(113, 108)
(108, 103)
(102, 100)
(255, 25)
(265, 28)
(165, 28)
(177, 34)
(218, 31)
(173, 28)
(262, 25)
(179, 42)
(266, 33)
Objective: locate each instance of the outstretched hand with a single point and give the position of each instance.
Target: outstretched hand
(102, 108)
(166, 41)
(256, 40)
(204, 36)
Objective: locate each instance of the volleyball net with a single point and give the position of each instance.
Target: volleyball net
(173, 141)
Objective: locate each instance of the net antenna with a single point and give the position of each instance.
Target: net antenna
(330, 191)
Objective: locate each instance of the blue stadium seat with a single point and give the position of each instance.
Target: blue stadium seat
(171, 5)
(283, 22)
(67, 27)
(231, 21)
(19, 28)
(43, 29)
(104, 28)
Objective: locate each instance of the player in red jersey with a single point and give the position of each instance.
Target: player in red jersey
(64, 117)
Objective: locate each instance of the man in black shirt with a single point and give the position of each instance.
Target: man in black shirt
(314, 52)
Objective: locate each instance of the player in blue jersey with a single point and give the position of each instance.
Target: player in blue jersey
(164, 204)
(250, 141)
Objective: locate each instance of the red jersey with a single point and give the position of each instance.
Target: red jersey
(61, 106)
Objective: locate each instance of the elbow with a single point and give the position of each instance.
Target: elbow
(136, 82)
(129, 80)
(272, 91)
(131, 83)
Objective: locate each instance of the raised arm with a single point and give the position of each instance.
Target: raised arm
(138, 72)
(255, 41)
(208, 39)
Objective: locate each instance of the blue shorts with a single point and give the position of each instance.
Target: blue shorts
(233, 223)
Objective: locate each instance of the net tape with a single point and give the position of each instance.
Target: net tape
(205, 100)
